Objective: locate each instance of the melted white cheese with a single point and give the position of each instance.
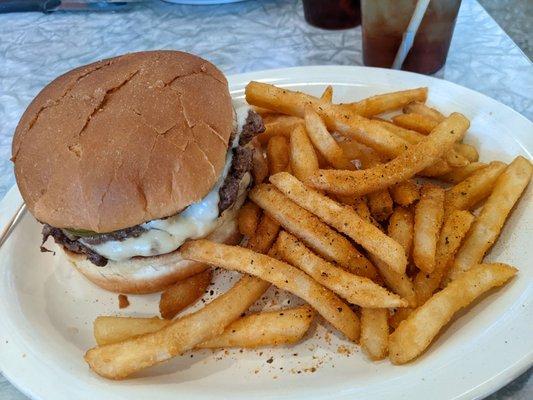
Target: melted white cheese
(196, 221)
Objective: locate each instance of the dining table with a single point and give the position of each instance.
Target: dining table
(238, 37)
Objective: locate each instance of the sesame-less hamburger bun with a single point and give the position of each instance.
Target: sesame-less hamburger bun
(110, 156)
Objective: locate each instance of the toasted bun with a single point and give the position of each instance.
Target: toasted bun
(122, 141)
(149, 274)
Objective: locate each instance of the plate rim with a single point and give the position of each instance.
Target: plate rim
(238, 80)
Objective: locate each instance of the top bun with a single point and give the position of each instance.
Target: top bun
(122, 141)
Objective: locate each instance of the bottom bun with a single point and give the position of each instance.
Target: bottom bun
(141, 275)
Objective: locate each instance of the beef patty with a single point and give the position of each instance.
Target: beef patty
(240, 165)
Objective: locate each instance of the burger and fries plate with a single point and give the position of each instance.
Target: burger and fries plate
(47, 309)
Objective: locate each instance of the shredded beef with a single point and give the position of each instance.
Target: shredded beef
(72, 245)
(242, 163)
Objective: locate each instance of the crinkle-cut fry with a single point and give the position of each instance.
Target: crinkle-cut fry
(312, 231)
(457, 175)
(259, 163)
(406, 165)
(405, 193)
(375, 332)
(280, 126)
(418, 107)
(453, 157)
(280, 274)
(344, 219)
(401, 228)
(416, 122)
(478, 186)
(267, 328)
(327, 95)
(488, 225)
(278, 155)
(385, 102)
(324, 142)
(415, 334)
(303, 161)
(184, 293)
(336, 117)
(467, 150)
(429, 214)
(354, 289)
(265, 234)
(454, 230)
(248, 218)
(119, 360)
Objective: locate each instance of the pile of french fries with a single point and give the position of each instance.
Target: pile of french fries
(368, 220)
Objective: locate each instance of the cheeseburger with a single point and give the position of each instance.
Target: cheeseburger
(125, 159)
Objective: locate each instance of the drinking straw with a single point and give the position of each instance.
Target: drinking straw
(410, 33)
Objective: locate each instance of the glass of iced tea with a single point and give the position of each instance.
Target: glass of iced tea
(385, 21)
(332, 14)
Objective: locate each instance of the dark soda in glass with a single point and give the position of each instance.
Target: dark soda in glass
(332, 14)
(385, 21)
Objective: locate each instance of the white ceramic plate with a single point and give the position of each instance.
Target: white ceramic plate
(46, 309)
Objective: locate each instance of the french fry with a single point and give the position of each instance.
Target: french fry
(399, 315)
(327, 95)
(267, 328)
(417, 107)
(429, 214)
(416, 122)
(119, 360)
(280, 126)
(277, 154)
(406, 165)
(405, 193)
(183, 293)
(265, 235)
(259, 165)
(312, 231)
(248, 218)
(453, 232)
(468, 193)
(467, 150)
(380, 204)
(416, 333)
(280, 274)
(401, 228)
(375, 332)
(303, 157)
(336, 117)
(387, 102)
(324, 142)
(270, 328)
(354, 289)
(357, 151)
(487, 227)
(109, 330)
(457, 175)
(453, 157)
(264, 112)
(344, 219)
(360, 206)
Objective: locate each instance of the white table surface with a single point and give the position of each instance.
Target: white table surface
(254, 35)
